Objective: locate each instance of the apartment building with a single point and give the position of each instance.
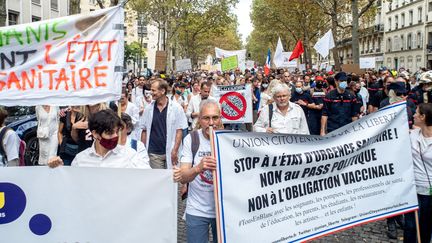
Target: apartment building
(404, 34)
(26, 11)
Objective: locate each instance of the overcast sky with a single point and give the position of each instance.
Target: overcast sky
(242, 11)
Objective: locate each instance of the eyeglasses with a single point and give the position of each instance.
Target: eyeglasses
(281, 96)
(207, 118)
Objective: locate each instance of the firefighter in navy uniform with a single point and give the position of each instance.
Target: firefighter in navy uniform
(315, 114)
(339, 106)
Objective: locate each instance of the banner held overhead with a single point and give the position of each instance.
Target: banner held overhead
(73, 60)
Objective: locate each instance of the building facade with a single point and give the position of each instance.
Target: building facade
(26, 11)
(404, 34)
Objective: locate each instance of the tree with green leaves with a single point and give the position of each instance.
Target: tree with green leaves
(292, 21)
(133, 53)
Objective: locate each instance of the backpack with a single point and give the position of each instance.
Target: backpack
(194, 147)
(21, 151)
(134, 144)
(270, 113)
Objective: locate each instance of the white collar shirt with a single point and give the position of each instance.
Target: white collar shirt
(176, 119)
(293, 122)
(119, 157)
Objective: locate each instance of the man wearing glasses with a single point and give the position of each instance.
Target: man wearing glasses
(283, 116)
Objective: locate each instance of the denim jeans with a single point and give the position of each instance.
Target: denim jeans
(425, 221)
(197, 229)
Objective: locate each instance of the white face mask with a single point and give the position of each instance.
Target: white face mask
(362, 84)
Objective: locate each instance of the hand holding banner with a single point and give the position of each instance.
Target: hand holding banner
(291, 188)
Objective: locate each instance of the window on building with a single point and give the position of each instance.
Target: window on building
(396, 22)
(13, 17)
(420, 14)
(145, 45)
(411, 17)
(418, 61)
(92, 1)
(389, 24)
(402, 41)
(142, 31)
(430, 6)
(54, 5)
(389, 44)
(419, 40)
(409, 41)
(35, 18)
(402, 20)
(38, 2)
(145, 61)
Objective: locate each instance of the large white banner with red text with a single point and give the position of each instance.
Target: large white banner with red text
(73, 60)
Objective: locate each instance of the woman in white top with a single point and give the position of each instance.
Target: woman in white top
(47, 132)
(421, 147)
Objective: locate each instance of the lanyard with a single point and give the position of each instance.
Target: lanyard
(421, 157)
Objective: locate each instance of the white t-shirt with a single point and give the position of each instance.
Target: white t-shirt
(421, 148)
(200, 201)
(11, 144)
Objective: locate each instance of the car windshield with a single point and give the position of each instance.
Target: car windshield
(20, 110)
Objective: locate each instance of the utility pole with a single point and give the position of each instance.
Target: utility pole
(141, 26)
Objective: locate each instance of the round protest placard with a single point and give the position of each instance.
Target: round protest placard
(233, 106)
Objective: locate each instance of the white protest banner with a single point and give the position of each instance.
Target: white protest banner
(87, 205)
(73, 60)
(241, 56)
(302, 67)
(367, 62)
(286, 63)
(323, 65)
(250, 64)
(292, 188)
(236, 102)
(183, 65)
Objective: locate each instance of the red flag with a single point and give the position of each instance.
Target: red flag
(298, 50)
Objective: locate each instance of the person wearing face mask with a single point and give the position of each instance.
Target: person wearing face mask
(302, 98)
(178, 91)
(318, 94)
(339, 106)
(423, 91)
(192, 111)
(105, 127)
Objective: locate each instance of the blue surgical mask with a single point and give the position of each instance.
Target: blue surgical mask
(343, 85)
(298, 90)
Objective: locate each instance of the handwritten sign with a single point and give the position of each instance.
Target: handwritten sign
(73, 60)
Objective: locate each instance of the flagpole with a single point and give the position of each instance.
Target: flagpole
(215, 188)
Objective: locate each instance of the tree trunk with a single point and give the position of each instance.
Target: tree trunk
(335, 50)
(2, 12)
(354, 31)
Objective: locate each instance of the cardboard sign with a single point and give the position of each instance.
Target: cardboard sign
(161, 58)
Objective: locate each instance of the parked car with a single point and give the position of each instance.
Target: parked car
(23, 120)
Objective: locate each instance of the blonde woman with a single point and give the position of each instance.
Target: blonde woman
(47, 132)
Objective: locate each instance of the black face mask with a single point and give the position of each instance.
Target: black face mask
(319, 85)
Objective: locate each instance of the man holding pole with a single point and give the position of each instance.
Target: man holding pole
(197, 169)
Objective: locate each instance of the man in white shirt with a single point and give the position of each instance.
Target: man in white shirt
(162, 127)
(105, 127)
(192, 111)
(287, 117)
(10, 143)
(197, 171)
(138, 93)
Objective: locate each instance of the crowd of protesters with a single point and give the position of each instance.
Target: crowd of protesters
(165, 119)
